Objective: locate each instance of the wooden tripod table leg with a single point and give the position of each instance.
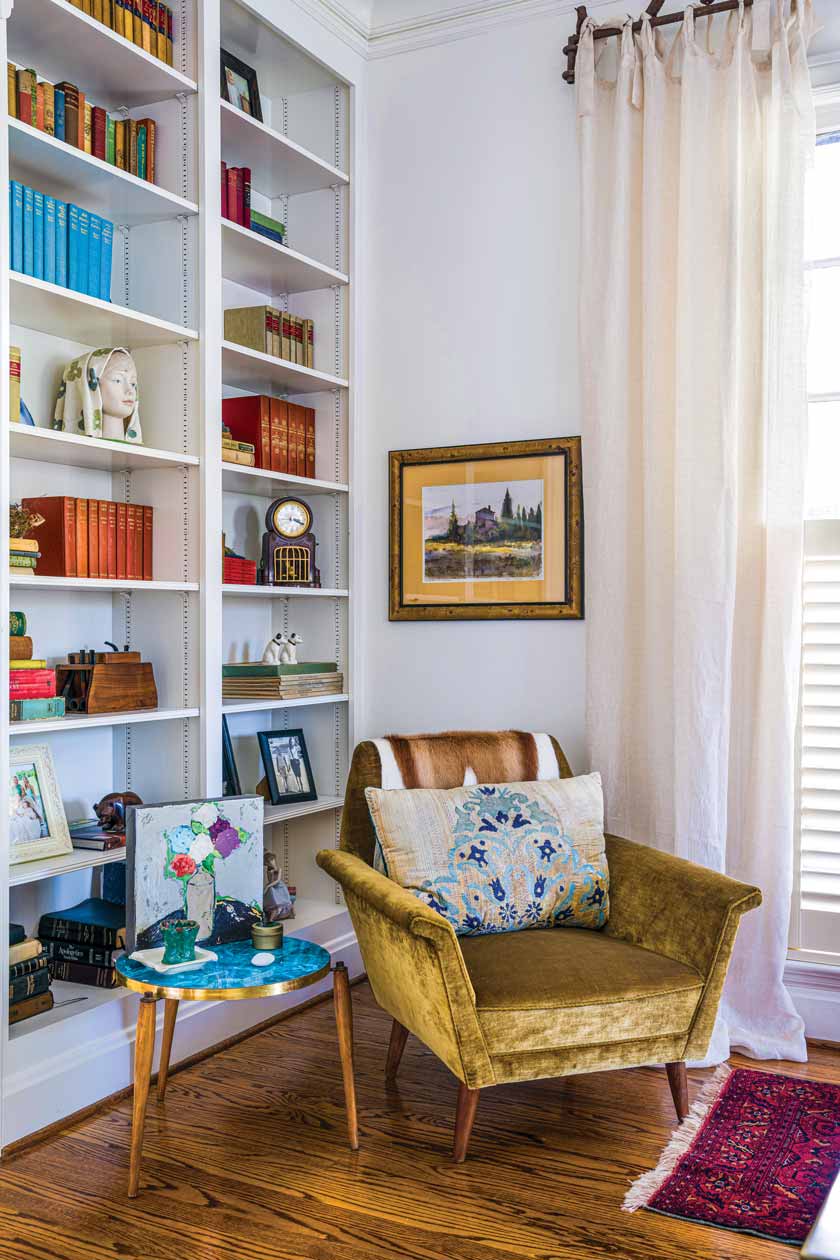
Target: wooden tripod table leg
(144, 1048)
(344, 1025)
(170, 1011)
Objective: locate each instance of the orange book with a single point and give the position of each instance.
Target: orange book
(122, 540)
(102, 507)
(309, 418)
(39, 107)
(148, 541)
(131, 542)
(279, 435)
(57, 536)
(297, 441)
(80, 137)
(93, 538)
(112, 540)
(82, 566)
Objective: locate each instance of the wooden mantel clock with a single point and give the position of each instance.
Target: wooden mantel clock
(288, 546)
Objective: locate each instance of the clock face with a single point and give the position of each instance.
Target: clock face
(291, 518)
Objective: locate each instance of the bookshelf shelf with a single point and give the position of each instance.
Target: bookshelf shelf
(259, 706)
(237, 479)
(50, 446)
(49, 309)
(77, 584)
(71, 1000)
(251, 370)
(62, 170)
(61, 42)
(47, 868)
(257, 263)
(76, 722)
(285, 813)
(283, 592)
(278, 165)
(308, 913)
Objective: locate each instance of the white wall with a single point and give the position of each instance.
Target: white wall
(470, 336)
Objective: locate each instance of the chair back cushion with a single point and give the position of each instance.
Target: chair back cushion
(446, 760)
(499, 857)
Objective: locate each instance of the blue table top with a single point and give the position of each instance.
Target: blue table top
(296, 964)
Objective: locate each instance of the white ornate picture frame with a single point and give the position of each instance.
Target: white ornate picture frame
(37, 823)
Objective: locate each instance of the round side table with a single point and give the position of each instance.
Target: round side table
(296, 964)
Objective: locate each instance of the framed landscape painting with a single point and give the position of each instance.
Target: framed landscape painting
(492, 531)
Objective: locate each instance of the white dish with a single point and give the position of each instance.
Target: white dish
(154, 958)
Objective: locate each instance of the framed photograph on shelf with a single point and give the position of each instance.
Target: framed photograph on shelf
(239, 85)
(287, 769)
(490, 532)
(230, 774)
(37, 823)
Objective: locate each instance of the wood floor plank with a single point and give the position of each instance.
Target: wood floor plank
(248, 1158)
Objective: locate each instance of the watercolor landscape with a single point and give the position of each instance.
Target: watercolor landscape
(484, 531)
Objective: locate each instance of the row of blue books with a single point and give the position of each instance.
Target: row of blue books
(60, 242)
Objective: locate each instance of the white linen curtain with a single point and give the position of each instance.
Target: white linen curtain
(692, 161)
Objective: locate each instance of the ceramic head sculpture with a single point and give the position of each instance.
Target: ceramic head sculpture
(98, 396)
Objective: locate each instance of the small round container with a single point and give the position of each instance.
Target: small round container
(267, 935)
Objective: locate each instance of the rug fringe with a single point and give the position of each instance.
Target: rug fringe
(645, 1187)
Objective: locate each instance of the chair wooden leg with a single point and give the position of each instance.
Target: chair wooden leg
(464, 1116)
(344, 1025)
(170, 1011)
(678, 1081)
(396, 1045)
(144, 1048)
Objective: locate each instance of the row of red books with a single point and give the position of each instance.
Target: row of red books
(94, 538)
(282, 434)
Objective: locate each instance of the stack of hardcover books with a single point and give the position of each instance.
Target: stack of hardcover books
(94, 538)
(253, 680)
(23, 556)
(90, 834)
(60, 242)
(237, 208)
(81, 943)
(234, 452)
(62, 110)
(272, 331)
(281, 434)
(31, 683)
(29, 976)
(237, 570)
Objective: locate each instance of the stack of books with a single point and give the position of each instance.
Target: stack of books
(90, 834)
(62, 110)
(29, 976)
(31, 683)
(272, 331)
(94, 538)
(249, 680)
(282, 434)
(234, 452)
(81, 943)
(146, 23)
(23, 556)
(237, 570)
(60, 242)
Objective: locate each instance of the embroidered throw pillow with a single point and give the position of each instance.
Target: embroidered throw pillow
(499, 857)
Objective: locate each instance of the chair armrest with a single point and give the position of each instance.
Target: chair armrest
(671, 906)
(414, 964)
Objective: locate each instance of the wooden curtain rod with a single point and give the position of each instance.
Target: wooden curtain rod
(666, 19)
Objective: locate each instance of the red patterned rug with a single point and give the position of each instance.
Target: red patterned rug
(757, 1153)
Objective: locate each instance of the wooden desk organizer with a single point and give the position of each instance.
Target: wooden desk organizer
(116, 682)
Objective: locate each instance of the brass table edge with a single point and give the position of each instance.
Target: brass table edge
(231, 995)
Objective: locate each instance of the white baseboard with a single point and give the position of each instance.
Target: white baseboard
(94, 1057)
(815, 989)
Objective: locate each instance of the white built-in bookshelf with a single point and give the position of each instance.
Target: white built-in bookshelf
(176, 266)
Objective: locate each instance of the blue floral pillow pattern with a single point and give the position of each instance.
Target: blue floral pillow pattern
(499, 857)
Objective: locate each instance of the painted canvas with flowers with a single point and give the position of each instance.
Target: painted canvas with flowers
(199, 860)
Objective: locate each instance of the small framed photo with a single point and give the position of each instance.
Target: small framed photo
(230, 774)
(37, 823)
(239, 86)
(287, 768)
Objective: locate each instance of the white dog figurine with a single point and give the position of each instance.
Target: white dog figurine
(274, 649)
(288, 650)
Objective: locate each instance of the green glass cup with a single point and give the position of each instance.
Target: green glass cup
(179, 941)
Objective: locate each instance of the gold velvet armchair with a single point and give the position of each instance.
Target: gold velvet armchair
(520, 1005)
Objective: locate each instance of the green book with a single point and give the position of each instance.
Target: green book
(256, 669)
(141, 152)
(273, 225)
(20, 561)
(17, 624)
(111, 140)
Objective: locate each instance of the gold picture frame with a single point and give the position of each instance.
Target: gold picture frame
(492, 531)
(37, 823)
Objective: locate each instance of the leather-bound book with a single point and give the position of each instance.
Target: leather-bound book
(148, 544)
(100, 128)
(279, 435)
(249, 420)
(71, 112)
(57, 536)
(82, 566)
(309, 416)
(249, 326)
(94, 570)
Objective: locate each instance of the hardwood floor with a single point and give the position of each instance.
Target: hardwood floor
(248, 1157)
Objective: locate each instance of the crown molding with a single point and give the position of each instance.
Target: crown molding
(339, 20)
(442, 26)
